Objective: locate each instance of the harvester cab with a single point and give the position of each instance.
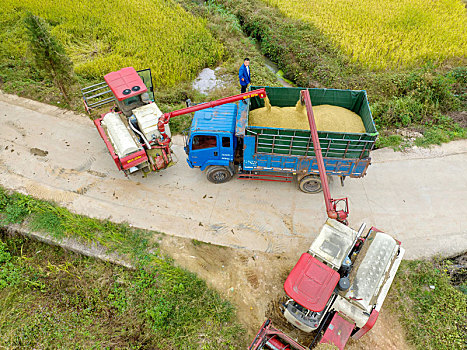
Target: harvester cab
(101, 94)
(129, 90)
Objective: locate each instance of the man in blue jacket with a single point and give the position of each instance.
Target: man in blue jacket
(244, 74)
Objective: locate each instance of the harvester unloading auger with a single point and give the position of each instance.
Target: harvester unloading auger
(338, 286)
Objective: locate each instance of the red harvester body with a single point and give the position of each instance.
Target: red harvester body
(147, 146)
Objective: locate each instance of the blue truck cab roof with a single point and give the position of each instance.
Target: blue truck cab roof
(218, 119)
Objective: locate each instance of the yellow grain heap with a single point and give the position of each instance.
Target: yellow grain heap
(327, 118)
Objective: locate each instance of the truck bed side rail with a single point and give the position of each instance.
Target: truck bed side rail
(299, 143)
(305, 165)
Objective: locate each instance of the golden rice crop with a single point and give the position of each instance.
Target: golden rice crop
(105, 35)
(387, 33)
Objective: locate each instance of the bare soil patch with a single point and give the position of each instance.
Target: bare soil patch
(459, 117)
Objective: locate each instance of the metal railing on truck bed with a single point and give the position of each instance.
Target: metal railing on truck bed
(299, 142)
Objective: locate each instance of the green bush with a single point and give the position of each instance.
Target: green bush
(17, 206)
(434, 90)
(418, 98)
(4, 198)
(10, 275)
(393, 141)
(433, 311)
(402, 111)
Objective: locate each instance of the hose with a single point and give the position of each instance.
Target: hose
(139, 133)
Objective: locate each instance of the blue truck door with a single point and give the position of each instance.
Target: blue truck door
(203, 147)
(228, 146)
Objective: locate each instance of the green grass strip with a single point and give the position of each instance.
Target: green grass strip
(173, 308)
(431, 309)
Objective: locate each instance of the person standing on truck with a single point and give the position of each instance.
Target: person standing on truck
(244, 74)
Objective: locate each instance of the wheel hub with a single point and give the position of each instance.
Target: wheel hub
(219, 176)
(311, 185)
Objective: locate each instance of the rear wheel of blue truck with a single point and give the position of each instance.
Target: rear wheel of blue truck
(310, 184)
(218, 174)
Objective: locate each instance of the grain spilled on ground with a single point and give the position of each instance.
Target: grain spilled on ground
(327, 117)
(49, 194)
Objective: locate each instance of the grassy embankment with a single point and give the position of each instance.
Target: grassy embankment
(50, 297)
(432, 310)
(423, 92)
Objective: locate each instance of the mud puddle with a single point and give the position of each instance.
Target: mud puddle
(38, 152)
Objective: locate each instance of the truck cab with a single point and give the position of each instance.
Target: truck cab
(211, 142)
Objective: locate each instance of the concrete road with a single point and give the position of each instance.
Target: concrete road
(419, 197)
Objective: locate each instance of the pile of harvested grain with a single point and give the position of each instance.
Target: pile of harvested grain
(327, 118)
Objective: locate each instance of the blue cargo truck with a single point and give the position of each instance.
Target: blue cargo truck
(221, 142)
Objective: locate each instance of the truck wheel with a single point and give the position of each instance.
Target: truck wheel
(218, 174)
(310, 184)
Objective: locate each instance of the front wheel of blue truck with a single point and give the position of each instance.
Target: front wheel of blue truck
(218, 174)
(310, 184)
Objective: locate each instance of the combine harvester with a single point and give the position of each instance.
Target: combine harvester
(339, 285)
(220, 141)
(135, 131)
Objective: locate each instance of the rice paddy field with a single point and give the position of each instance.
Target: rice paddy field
(105, 35)
(388, 33)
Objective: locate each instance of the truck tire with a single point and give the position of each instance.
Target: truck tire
(218, 174)
(310, 184)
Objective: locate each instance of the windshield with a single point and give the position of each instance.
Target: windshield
(131, 100)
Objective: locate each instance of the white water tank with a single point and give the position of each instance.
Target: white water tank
(119, 134)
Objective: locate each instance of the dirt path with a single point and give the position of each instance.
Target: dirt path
(418, 196)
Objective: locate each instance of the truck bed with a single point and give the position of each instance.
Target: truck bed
(295, 142)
